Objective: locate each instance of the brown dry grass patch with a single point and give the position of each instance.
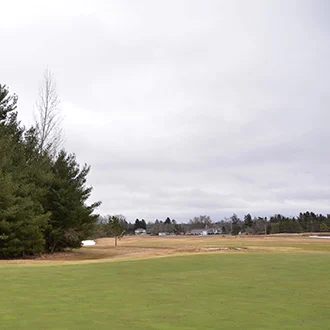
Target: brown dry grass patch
(142, 247)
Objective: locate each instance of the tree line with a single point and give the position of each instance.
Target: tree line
(43, 190)
(276, 224)
(304, 222)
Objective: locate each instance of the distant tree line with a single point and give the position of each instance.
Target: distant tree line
(304, 222)
(276, 224)
(43, 190)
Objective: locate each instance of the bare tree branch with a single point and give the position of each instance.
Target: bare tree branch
(48, 119)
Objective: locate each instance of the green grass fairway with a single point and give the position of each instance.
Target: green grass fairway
(214, 291)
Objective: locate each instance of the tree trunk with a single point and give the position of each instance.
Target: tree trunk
(116, 240)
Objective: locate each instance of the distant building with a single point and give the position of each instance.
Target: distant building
(200, 232)
(214, 231)
(163, 234)
(140, 231)
(205, 232)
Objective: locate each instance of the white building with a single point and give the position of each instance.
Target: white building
(205, 232)
(200, 232)
(140, 231)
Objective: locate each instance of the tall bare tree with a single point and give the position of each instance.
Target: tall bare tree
(203, 221)
(48, 119)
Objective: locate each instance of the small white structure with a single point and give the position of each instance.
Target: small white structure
(163, 234)
(140, 231)
(88, 243)
(200, 232)
(214, 231)
(205, 232)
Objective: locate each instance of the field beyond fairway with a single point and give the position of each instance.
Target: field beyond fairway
(277, 283)
(145, 247)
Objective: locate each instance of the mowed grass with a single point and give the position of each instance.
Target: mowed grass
(204, 291)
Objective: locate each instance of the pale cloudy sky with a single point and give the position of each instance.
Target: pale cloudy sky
(183, 107)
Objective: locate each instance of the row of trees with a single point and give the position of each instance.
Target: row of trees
(305, 222)
(43, 191)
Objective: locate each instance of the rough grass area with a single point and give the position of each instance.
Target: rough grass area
(210, 291)
(141, 247)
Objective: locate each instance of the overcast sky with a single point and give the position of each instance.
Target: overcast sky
(183, 107)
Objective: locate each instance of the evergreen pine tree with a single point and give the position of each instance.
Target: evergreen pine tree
(71, 219)
(22, 219)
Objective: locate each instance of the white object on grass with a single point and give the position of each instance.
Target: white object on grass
(88, 242)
